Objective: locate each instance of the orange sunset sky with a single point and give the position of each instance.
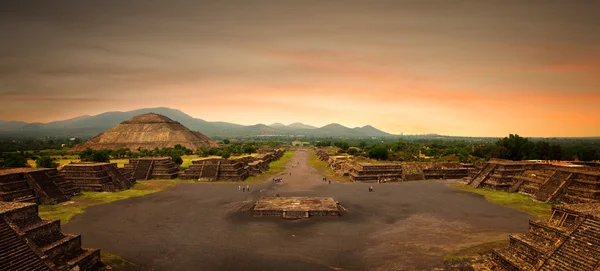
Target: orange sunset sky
(468, 68)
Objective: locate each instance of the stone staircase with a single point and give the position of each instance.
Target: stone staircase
(569, 240)
(15, 253)
(551, 186)
(59, 251)
(581, 251)
(482, 175)
(32, 185)
(142, 169)
(45, 188)
(582, 188)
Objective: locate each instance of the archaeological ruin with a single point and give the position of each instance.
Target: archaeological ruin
(359, 171)
(31, 243)
(569, 240)
(215, 170)
(544, 182)
(147, 131)
(296, 207)
(219, 169)
(35, 185)
(148, 168)
(93, 176)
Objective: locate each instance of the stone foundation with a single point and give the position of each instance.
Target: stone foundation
(151, 168)
(296, 207)
(100, 177)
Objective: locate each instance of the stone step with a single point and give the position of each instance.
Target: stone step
(43, 232)
(85, 260)
(16, 185)
(15, 194)
(576, 199)
(515, 262)
(65, 245)
(28, 199)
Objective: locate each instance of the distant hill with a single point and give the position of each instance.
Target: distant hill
(88, 126)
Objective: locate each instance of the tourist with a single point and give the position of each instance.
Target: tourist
(243, 189)
(329, 181)
(239, 188)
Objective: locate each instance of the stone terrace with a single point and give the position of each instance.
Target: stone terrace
(215, 169)
(142, 169)
(544, 182)
(31, 243)
(569, 240)
(96, 177)
(368, 172)
(35, 185)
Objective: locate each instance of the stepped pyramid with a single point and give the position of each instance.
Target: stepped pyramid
(147, 131)
(28, 242)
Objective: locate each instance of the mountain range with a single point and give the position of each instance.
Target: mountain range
(88, 126)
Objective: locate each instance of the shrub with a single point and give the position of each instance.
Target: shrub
(45, 162)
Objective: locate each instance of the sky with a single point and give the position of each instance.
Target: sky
(465, 68)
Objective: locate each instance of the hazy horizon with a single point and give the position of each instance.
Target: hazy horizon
(464, 68)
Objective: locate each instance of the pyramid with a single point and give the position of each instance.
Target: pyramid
(147, 131)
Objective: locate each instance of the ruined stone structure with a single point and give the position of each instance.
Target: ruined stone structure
(28, 242)
(215, 170)
(359, 170)
(36, 185)
(296, 207)
(230, 170)
(569, 240)
(142, 169)
(103, 177)
(147, 131)
(445, 173)
(368, 172)
(544, 182)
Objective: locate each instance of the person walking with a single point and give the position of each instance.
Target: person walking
(239, 188)
(248, 188)
(243, 189)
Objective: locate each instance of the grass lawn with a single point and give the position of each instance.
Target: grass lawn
(516, 201)
(66, 210)
(321, 167)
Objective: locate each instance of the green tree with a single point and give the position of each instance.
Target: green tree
(45, 162)
(177, 159)
(379, 153)
(226, 141)
(226, 154)
(15, 160)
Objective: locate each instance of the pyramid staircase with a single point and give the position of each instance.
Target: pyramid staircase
(151, 168)
(569, 240)
(482, 175)
(45, 242)
(16, 254)
(142, 169)
(34, 185)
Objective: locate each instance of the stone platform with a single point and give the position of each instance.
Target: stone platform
(296, 207)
